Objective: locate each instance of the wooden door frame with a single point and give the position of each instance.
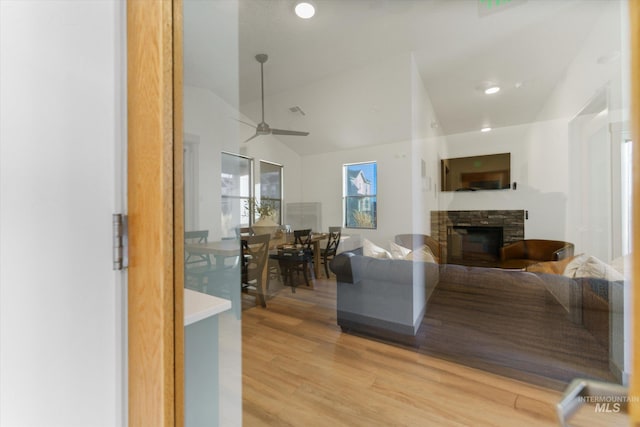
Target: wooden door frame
(155, 193)
(634, 386)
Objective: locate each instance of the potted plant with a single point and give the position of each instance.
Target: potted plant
(266, 211)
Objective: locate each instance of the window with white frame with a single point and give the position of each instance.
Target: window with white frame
(236, 178)
(271, 187)
(360, 184)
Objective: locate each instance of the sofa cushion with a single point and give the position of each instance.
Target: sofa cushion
(422, 254)
(574, 264)
(622, 265)
(593, 267)
(372, 250)
(397, 251)
(415, 241)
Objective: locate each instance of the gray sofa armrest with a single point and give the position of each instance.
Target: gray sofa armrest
(340, 265)
(379, 293)
(382, 297)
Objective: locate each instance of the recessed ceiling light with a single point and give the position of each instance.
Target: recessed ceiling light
(305, 10)
(491, 90)
(487, 129)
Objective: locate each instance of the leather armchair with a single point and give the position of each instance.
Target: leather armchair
(526, 252)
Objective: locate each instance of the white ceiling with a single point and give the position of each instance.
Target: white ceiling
(348, 68)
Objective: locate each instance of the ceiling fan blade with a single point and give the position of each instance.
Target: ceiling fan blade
(246, 123)
(247, 140)
(263, 128)
(288, 132)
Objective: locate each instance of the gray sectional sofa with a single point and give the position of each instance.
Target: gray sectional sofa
(388, 297)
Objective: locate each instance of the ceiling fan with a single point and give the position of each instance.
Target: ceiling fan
(263, 128)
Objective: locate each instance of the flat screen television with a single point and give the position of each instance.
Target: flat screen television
(489, 172)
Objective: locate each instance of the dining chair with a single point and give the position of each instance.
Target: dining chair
(304, 262)
(330, 251)
(198, 236)
(246, 231)
(197, 265)
(255, 253)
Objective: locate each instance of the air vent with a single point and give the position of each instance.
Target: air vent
(296, 109)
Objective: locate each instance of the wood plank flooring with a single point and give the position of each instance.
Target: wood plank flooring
(299, 369)
(521, 332)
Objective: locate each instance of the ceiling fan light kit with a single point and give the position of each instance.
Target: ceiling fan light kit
(263, 128)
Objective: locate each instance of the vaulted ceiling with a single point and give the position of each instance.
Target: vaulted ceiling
(349, 67)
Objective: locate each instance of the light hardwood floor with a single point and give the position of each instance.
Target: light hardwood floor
(299, 369)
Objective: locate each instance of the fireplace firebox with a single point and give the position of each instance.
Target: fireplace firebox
(474, 245)
(442, 222)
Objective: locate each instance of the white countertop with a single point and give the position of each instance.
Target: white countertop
(198, 306)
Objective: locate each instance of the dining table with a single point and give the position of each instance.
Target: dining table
(284, 239)
(224, 249)
(220, 250)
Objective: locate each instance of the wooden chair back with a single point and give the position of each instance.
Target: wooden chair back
(198, 236)
(333, 241)
(255, 253)
(302, 237)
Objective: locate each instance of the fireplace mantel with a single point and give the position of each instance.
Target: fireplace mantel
(511, 221)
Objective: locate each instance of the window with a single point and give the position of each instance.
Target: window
(236, 177)
(360, 183)
(271, 187)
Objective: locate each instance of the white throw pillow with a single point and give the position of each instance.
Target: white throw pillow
(622, 265)
(397, 251)
(574, 264)
(593, 267)
(369, 249)
(422, 254)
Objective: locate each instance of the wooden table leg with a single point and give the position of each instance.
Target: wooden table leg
(316, 258)
(262, 288)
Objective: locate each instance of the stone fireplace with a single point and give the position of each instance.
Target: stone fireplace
(475, 237)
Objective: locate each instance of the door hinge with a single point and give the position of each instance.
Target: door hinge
(120, 242)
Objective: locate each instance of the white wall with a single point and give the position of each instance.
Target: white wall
(62, 333)
(584, 79)
(425, 137)
(212, 120)
(540, 152)
(394, 187)
(405, 198)
(543, 195)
